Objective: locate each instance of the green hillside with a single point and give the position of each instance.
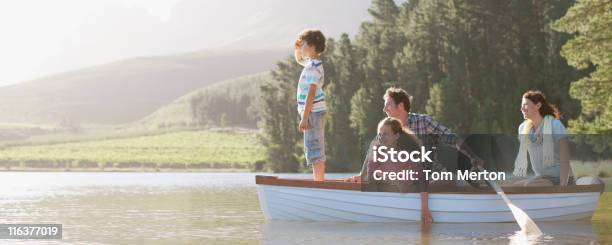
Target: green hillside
(172, 150)
(21, 131)
(233, 100)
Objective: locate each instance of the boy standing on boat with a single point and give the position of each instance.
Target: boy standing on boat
(311, 99)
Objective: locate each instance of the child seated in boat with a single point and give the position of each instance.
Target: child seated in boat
(543, 139)
(392, 135)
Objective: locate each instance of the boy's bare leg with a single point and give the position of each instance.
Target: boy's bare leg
(318, 171)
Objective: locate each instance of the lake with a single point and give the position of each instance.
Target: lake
(222, 208)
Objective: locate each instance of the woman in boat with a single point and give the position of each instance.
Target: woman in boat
(543, 142)
(392, 135)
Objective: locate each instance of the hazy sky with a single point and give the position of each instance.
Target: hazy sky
(35, 32)
(42, 37)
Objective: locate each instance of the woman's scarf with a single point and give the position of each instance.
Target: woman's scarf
(520, 164)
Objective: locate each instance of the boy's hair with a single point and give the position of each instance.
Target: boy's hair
(399, 95)
(314, 37)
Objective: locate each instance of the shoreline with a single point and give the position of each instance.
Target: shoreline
(127, 170)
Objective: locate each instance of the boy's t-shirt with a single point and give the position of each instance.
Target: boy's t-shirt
(311, 74)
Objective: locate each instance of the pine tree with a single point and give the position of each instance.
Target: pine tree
(466, 63)
(476, 50)
(279, 118)
(591, 47)
(382, 41)
(342, 153)
(418, 62)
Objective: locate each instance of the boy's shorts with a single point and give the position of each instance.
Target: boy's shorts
(314, 138)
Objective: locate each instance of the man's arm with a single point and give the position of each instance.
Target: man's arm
(449, 138)
(444, 134)
(425, 212)
(422, 187)
(466, 150)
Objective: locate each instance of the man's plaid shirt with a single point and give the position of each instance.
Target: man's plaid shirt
(431, 134)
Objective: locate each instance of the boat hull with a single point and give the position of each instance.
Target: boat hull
(320, 204)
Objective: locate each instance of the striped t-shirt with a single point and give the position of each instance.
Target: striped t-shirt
(311, 74)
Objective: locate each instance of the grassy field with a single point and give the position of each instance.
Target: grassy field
(601, 169)
(23, 126)
(173, 150)
(603, 214)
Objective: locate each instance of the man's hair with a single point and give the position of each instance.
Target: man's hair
(399, 96)
(314, 37)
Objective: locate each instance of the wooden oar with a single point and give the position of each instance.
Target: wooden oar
(522, 219)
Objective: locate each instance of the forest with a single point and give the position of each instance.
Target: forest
(466, 63)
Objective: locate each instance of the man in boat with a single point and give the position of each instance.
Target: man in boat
(431, 133)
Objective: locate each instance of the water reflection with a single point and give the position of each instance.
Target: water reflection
(222, 208)
(135, 208)
(284, 232)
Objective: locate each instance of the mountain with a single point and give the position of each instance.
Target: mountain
(117, 31)
(126, 90)
(233, 99)
(241, 37)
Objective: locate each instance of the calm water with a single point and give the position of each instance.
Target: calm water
(222, 208)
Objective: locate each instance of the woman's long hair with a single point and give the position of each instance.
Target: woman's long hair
(547, 108)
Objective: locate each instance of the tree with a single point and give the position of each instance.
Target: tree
(279, 118)
(590, 48)
(342, 153)
(418, 61)
(381, 41)
(465, 62)
(484, 55)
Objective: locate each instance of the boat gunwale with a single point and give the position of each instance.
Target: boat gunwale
(352, 186)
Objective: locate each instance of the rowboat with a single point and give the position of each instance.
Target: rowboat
(339, 201)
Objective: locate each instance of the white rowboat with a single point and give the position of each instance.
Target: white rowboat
(307, 200)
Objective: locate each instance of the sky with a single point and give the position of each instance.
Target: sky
(34, 33)
(41, 38)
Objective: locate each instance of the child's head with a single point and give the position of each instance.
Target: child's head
(389, 130)
(311, 42)
(391, 133)
(390, 126)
